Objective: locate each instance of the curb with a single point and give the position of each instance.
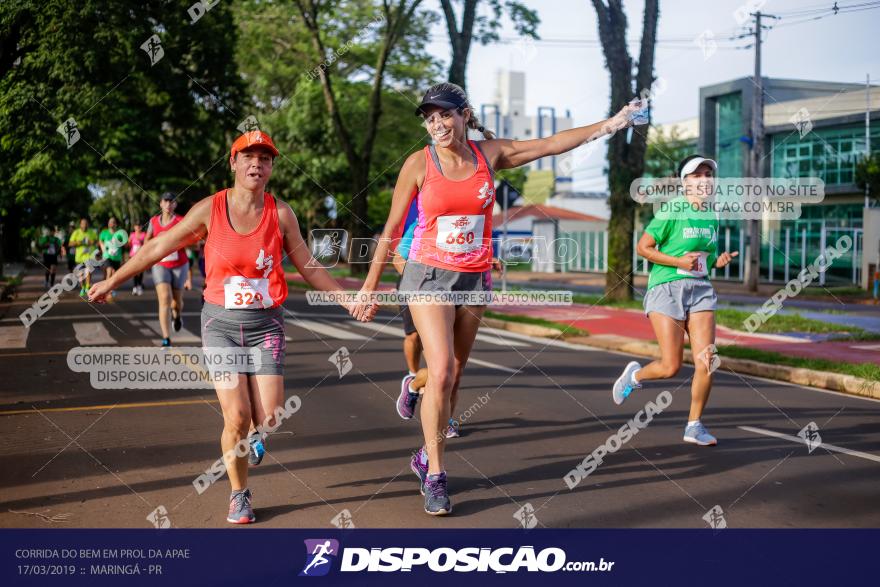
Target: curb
(838, 382)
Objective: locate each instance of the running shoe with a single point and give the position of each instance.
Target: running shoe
(83, 292)
(257, 448)
(697, 434)
(177, 322)
(625, 383)
(166, 342)
(453, 430)
(134, 291)
(436, 496)
(240, 509)
(407, 400)
(419, 469)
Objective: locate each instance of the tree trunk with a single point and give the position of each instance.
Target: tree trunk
(626, 157)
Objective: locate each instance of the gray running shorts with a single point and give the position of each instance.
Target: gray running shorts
(176, 277)
(247, 329)
(677, 299)
(418, 277)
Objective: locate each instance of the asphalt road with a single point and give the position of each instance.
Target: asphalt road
(75, 456)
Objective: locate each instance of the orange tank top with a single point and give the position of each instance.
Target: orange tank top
(244, 271)
(454, 228)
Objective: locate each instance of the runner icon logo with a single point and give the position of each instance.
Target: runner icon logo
(343, 520)
(320, 554)
(159, 518)
(715, 518)
(811, 436)
(342, 360)
(526, 516)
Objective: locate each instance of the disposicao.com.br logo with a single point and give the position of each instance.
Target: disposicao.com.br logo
(441, 560)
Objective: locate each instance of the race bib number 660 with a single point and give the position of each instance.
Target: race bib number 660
(460, 234)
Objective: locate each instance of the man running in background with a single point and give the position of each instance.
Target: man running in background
(84, 239)
(50, 246)
(111, 249)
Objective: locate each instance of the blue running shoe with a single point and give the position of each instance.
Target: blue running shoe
(240, 509)
(453, 430)
(625, 384)
(407, 400)
(257, 448)
(436, 496)
(419, 469)
(697, 434)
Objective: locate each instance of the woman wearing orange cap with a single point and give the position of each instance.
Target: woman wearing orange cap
(248, 233)
(451, 250)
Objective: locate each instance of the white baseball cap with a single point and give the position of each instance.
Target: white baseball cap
(691, 165)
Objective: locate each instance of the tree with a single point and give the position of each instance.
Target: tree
(319, 16)
(156, 120)
(524, 19)
(626, 151)
(868, 175)
(277, 60)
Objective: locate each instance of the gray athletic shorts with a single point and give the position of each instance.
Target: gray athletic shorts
(247, 329)
(418, 277)
(677, 299)
(176, 277)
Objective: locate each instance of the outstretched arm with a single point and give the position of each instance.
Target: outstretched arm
(507, 153)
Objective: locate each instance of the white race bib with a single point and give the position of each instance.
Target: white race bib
(50, 250)
(460, 234)
(701, 270)
(243, 293)
(170, 258)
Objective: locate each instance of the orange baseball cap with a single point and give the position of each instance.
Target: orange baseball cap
(253, 138)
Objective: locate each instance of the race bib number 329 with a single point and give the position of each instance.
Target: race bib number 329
(243, 293)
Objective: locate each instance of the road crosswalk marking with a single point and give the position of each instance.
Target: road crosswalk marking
(326, 329)
(13, 337)
(182, 337)
(92, 333)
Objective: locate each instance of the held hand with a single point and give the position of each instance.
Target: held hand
(363, 309)
(621, 120)
(99, 292)
(689, 261)
(188, 284)
(724, 259)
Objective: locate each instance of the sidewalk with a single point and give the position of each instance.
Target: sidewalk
(633, 324)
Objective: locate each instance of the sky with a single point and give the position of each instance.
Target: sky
(572, 75)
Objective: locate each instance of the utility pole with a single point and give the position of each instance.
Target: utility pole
(868, 135)
(756, 161)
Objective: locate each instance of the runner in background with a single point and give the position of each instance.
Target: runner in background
(69, 251)
(84, 240)
(135, 242)
(412, 344)
(111, 248)
(172, 274)
(50, 247)
(682, 244)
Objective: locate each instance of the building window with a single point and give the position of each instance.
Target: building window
(830, 154)
(728, 131)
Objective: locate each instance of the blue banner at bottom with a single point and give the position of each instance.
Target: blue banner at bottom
(390, 557)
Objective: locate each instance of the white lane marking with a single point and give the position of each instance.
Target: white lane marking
(800, 440)
(492, 365)
(146, 331)
(13, 337)
(395, 331)
(182, 337)
(383, 328)
(92, 333)
(499, 340)
(326, 329)
(539, 340)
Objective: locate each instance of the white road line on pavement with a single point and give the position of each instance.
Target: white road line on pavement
(326, 329)
(146, 331)
(799, 440)
(540, 341)
(866, 347)
(382, 328)
(500, 341)
(92, 333)
(73, 317)
(492, 365)
(13, 337)
(182, 337)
